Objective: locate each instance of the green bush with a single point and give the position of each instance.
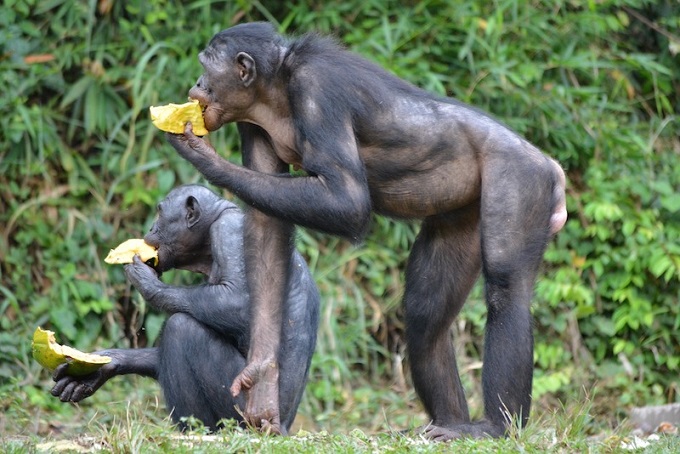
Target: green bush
(592, 83)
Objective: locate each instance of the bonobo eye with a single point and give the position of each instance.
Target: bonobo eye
(203, 84)
(205, 59)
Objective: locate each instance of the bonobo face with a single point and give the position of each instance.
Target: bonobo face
(169, 233)
(161, 236)
(221, 90)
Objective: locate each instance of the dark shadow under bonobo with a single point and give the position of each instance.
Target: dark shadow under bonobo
(205, 340)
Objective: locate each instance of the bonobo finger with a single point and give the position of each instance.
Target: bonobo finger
(195, 143)
(178, 142)
(58, 388)
(60, 372)
(81, 392)
(138, 270)
(173, 138)
(189, 130)
(67, 392)
(137, 260)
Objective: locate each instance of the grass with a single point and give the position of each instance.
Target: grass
(126, 416)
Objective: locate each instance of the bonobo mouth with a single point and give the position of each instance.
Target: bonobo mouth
(204, 107)
(201, 105)
(157, 266)
(155, 263)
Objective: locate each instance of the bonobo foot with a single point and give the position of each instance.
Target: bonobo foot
(480, 429)
(261, 381)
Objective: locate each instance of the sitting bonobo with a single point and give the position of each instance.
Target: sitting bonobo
(204, 342)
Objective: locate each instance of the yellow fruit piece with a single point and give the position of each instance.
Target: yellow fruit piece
(50, 355)
(173, 117)
(128, 249)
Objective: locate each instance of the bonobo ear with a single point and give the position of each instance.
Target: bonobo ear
(193, 214)
(246, 66)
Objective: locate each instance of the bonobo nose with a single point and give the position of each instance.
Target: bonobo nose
(198, 93)
(151, 238)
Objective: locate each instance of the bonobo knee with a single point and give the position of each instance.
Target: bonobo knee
(179, 328)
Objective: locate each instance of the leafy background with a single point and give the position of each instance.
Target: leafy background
(593, 83)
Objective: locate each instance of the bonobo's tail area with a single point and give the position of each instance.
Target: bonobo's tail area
(559, 215)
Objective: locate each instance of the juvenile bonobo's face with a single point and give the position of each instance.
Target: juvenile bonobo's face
(221, 91)
(176, 243)
(162, 237)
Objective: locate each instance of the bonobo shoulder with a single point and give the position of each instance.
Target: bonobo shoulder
(230, 220)
(309, 47)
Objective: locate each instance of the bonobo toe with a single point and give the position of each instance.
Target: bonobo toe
(480, 429)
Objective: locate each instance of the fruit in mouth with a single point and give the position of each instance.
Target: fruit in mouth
(173, 117)
(128, 249)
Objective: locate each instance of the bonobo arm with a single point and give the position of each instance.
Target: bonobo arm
(333, 198)
(222, 303)
(222, 306)
(142, 361)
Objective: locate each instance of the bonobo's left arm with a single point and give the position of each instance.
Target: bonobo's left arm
(222, 306)
(141, 361)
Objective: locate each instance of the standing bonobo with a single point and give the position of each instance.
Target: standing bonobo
(369, 141)
(204, 342)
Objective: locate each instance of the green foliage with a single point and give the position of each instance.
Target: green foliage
(594, 84)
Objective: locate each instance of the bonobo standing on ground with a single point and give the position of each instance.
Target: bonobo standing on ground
(368, 141)
(204, 342)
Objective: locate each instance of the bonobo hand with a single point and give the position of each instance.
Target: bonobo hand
(144, 279)
(192, 148)
(261, 381)
(75, 389)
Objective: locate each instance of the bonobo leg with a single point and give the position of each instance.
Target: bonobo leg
(442, 268)
(298, 339)
(196, 368)
(515, 229)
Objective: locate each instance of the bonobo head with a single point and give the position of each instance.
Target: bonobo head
(237, 63)
(182, 228)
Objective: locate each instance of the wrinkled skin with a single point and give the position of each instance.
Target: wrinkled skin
(204, 341)
(369, 142)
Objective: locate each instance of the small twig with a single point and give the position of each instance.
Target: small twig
(651, 24)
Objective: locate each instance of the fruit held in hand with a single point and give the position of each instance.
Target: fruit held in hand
(50, 354)
(173, 117)
(128, 249)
